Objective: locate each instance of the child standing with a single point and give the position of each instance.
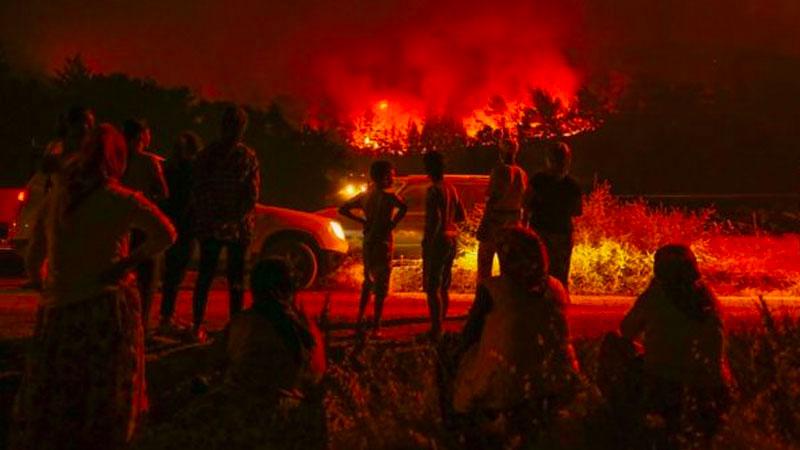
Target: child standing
(382, 211)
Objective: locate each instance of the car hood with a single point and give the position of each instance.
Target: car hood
(289, 216)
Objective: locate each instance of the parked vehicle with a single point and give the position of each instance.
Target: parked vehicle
(313, 245)
(412, 188)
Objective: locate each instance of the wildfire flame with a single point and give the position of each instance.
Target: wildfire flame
(387, 125)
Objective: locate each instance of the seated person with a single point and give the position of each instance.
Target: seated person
(517, 351)
(685, 369)
(273, 358)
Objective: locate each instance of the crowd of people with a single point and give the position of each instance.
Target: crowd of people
(110, 209)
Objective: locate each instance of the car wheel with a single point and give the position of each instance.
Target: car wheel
(299, 256)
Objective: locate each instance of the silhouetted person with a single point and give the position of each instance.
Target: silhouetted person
(272, 356)
(382, 210)
(443, 210)
(685, 368)
(83, 386)
(508, 183)
(518, 359)
(554, 199)
(143, 174)
(226, 189)
(73, 131)
(179, 173)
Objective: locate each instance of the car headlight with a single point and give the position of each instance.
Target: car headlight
(337, 229)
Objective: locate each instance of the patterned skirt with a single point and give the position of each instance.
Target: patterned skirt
(83, 386)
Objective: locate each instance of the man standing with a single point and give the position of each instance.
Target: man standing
(381, 211)
(443, 210)
(505, 197)
(554, 200)
(226, 189)
(179, 172)
(143, 173)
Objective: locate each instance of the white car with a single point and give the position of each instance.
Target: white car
(312, 244)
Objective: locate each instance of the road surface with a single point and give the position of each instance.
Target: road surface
(589, 316)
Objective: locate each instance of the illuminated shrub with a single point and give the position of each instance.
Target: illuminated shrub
(614, 246)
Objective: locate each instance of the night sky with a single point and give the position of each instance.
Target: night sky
(442, 57)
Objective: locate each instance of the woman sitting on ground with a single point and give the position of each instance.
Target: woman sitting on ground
(273, 358)
(518, 357)
(685, 368)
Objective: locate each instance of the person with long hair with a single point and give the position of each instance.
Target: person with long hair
(518, 360)
(83, 386)
(685, 367)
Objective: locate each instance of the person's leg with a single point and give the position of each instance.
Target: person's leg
(145, 274)
(367, 283)
(486, 250)
(447, 276)
(382, 271)
(431, 275)
(176, 260)
(209, 257)
(236, 255)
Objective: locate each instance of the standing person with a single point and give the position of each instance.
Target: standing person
(179, 173)
(555, 198)
(382, 211)
(505, 196)
(226, 189)
(143, 174)
(443, 210)
(685, 367)
(517, 358)
(73, 132)
(83, 386)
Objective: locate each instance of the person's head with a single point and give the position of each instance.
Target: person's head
(675, 264)
(106, 154)
(137, 134)
(78, 125)
(234, 124)
(508, 151)
(523, 257)
(187, 146)
(676, 270)
(382, 173)
(271, 281)
(434, 165)
(559, 158)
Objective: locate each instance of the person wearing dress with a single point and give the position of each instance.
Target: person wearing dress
(83, 385)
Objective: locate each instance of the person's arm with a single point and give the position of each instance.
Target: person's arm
(37, 248)
(160, 234)
(433, 214)
(402, 209)
(158, 188)
(252, 183)
(473, 328)
(355, 203)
